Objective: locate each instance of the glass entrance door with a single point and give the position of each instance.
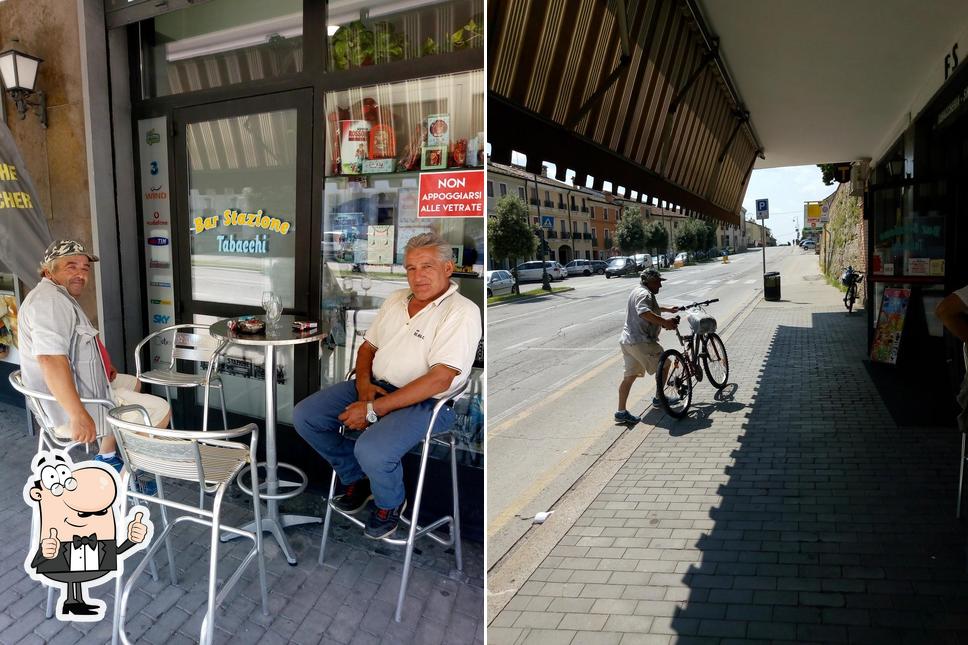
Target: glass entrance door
(242, 227)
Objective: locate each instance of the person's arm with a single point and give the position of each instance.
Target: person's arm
(655, 319)
(953, 313)
(669, 310)
(365, 389)
(60, 381)
(437, 380)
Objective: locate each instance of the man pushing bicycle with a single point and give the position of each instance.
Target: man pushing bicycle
(640, 337)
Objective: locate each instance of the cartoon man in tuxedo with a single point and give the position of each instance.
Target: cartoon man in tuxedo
(75, 510)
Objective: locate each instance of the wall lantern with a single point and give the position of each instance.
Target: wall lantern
(19, 72)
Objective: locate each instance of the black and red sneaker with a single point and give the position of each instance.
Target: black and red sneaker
(383, 521)
(354, 498)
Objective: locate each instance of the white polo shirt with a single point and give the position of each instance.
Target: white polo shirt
(445, 332)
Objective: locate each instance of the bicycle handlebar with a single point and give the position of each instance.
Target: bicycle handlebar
(697, 304)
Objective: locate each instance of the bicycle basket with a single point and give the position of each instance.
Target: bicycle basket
(700, 322)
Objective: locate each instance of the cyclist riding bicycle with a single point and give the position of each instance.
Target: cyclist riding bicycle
(640, 337)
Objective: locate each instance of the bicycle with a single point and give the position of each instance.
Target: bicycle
(677, 369)
(850, 279)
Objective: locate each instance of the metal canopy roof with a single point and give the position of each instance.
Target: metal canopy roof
(625, 91)
(831, 81)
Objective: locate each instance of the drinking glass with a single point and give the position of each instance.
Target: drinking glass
(266, 297)
(274, 311)
(366, 283)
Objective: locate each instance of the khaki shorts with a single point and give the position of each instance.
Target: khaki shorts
(641, 358)
(124, 393)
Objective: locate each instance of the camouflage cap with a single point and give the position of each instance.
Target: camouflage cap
(650, 274)
(65, 248)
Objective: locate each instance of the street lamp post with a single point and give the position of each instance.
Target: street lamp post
(545, 282)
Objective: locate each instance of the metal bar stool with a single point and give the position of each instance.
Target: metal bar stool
(445, 438)
(47, 439)
(961, 462)
(189, 342)
(210, 459)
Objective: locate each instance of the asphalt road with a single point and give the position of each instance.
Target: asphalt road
(553, 371)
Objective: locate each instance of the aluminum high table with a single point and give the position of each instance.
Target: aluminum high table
(280, 335)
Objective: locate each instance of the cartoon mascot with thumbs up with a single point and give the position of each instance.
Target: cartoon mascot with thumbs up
(75, 509)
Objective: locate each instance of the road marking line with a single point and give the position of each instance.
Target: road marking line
(732, 281)
(596, 369)
(606, 315)
(750, 282)
(522, 343)
(567, 349)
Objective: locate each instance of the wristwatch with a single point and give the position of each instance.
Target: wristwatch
(370, 413)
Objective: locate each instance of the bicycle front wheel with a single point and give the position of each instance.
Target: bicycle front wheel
(715, 361)
(850, 297)
(673, 383)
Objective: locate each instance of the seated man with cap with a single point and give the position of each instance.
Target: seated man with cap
(62, 355)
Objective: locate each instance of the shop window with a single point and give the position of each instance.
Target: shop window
(909, 232)
(220, 43)
(384, 31)
(378, 143)
(417, 125)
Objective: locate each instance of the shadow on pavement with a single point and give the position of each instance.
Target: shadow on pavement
(835, 524)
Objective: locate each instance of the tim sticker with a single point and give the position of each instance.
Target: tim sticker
(76, 512)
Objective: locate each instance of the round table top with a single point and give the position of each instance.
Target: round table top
(282, 334)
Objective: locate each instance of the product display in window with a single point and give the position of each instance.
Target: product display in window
(368, 145)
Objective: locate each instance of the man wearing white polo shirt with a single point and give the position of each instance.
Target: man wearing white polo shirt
(420, 348)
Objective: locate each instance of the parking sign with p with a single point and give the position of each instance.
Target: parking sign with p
(762, 209)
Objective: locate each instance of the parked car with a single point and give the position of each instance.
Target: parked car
(808, 245)
(620, 265)
(643, 261)
(599, 266)
(681, 258)
(531, 271)
(580, 267)
(498, 282)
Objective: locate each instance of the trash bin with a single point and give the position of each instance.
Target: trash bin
(771, 286)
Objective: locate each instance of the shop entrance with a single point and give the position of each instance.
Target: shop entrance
(242, 227)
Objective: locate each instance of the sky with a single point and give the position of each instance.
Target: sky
(787, 189)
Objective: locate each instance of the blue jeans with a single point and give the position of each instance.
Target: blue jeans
(378, 450)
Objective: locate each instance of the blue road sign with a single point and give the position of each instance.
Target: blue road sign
(762, 208)
(547, 221)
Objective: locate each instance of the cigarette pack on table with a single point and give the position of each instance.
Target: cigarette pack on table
(304, 325)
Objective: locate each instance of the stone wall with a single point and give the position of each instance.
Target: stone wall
(844, 241)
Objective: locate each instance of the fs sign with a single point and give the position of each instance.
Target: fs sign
(762, 209)
(452, 194)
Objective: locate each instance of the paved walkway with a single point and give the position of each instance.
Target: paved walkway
(350, 599)
(792, 510)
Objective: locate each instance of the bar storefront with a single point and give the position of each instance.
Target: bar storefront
(915, 207)
(280, 148)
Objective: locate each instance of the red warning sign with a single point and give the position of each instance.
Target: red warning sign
(452, 194)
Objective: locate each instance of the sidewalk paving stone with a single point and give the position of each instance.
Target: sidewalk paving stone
(349, 599)
(789, 507)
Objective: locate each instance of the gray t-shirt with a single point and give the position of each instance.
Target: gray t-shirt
(52, 323)
(637, 329)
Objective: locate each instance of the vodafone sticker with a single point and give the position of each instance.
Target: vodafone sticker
(452, 194)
